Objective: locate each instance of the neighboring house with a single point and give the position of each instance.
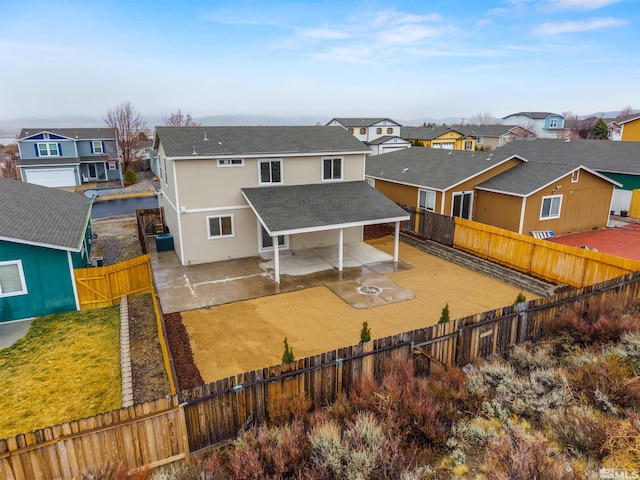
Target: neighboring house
(442, 137)
(506, 190)
(433, 179)
(367, 129)
(68, 157)
(545, 196)
(615, 130)
(490, 137)
(233, 192)
(388, 144)
(44, 234)
(619, 161)
(543, 124)
(630, 129)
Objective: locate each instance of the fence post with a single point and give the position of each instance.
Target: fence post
(522, 321)
(185, 433)
(339, 375)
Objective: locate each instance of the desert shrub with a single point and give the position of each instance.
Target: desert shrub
(284, 411)
(365, 333)
(623, 444)
(581, 430)
(130, 176)
(628, 349)
(111, 471)
(341, 410)
(527, 357)
(520, 298)
(517, 455)
(603, 319)
(607, 381)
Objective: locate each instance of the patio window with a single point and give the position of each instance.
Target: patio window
(550, 207)
(48, 150)
(12, 279)
(220, 226)
(427, 200)
(270, 171)
(96, 147)
(332, 169)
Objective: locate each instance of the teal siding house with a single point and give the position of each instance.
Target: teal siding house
(44, 234)
(68, 157)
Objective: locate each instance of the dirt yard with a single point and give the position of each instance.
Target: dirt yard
(244, 336)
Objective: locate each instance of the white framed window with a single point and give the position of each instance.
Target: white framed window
(363, 131)
(480, 140)
(575, 176)
(48, 150)
(270, 172)
(468, 144)
(12, 280)
(166, 174)
(220, 226)
(389, 131)
(427, 200)
(371, 181)
(553, 123)
(230, 162)
(378, 131)
(96, 147)
(266, 242)
(550, 207)
(112, 165)
(350, 130)
(332, 169)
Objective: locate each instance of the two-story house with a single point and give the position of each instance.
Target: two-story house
(233, 192)
(382, 135)
(543, 124)
(68, 157)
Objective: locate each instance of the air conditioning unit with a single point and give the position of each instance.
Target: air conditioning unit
(97, 261)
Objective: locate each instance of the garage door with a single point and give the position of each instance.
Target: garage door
(54, 177)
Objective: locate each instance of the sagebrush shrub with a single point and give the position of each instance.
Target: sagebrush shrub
(285, 410)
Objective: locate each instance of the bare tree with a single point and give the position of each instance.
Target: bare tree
(8, 159)
(585, 126)
(128, 124)
(527, 132)
(625, 113)
(178, 119)
(483, 118)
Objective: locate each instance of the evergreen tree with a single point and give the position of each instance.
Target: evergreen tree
(600, 131)
(287, 356)
(365, 333)
(444, 317)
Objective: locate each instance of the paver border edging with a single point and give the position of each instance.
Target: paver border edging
(125, 355)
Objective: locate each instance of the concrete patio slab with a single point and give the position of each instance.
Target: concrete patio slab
(370, 292)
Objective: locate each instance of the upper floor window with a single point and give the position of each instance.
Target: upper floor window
(363, 131)
(427, 200)
(97, 147)
(468, 144)
(350, 130)
(553, 123)
(12, 279)
(390, 130)
(270, 171)
(332, 169)
(220, 226)
(378, 130)
(47, 150)
(550, 207)
(230, 162)
(112, 165)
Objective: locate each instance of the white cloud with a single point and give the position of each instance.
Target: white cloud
(551, 28)
(323, 34)
(580, 4)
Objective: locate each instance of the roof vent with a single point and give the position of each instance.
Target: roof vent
(205, 137)
(194, 151)
(405, 170)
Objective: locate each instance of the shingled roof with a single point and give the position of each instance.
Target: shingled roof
(210, 142)
(533, 115)
(36, 215)
(103, 133)
(356, 122)
(431, 167)
(321, 206)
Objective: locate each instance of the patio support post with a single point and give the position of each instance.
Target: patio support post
(276, 256)
(396, 243)
(340, 249)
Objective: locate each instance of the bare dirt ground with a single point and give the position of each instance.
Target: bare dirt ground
(117, 241)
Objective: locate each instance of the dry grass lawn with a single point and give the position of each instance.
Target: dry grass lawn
(67, 367)
(244, 336)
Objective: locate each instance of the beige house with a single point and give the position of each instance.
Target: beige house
(233, 192)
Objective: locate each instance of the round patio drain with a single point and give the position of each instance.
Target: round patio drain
(369, 290)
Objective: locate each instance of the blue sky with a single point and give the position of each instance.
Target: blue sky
(398, 59)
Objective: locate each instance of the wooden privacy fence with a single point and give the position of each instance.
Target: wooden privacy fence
(550, 261)
(150, 221)
(103, 286)
(167, 430)
(429, 225)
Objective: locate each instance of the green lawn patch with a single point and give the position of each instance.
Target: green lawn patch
(67, 367)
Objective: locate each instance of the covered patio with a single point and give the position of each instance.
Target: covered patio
(309, 208)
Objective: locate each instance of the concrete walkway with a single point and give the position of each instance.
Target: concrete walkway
(11, 332)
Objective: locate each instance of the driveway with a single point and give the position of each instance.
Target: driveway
(246, 335)
(122, 206)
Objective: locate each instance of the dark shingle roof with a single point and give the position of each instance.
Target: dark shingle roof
(359, 121)
(424, 133)
(630, 119)
(384, 139)
(103, 133)
(534, 115)
(599, 155)
(527, 178)
(39, 215)
(321, 206)
(485, 130)
(430, 167)
(48, 161)
(212, 141)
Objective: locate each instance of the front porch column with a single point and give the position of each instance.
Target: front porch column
(340, 249)
(276, 256)
(396, 243)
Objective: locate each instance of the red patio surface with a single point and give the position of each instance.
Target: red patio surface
(623, 241)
